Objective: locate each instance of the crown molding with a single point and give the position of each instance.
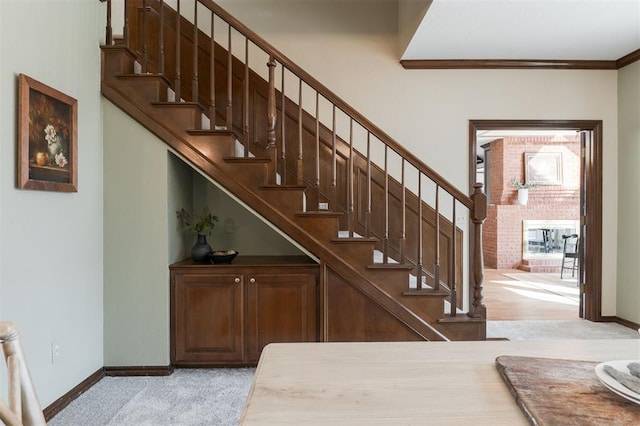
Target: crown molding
(507, 64)
(555, 64)
(628, 59)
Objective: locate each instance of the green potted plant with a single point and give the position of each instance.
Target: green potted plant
(523, 190)
(201, 225)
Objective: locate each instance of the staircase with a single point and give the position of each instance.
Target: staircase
(386, 228)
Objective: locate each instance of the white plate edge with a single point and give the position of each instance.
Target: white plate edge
(612, 384)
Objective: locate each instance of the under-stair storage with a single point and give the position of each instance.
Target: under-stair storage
(226, 314)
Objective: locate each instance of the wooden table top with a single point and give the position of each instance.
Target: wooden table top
(439, 383)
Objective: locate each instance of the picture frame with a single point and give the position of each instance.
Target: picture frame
(47, 137)
(543, 168)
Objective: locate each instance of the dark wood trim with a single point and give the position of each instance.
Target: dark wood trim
(630, 324)
(159, 370)
(628, 59)
(56, 406)
(552, 64)
(593, 176)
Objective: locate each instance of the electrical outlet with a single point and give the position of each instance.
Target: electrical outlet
(323, 206)
(55, 351)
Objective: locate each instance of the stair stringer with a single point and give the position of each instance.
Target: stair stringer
(209, 161)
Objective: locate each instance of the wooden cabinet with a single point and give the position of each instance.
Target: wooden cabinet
(226, 314)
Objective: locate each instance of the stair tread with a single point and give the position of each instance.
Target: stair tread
(143, 76)
(428, 292)
(460, 318)
(247, 159)
(355, 240)
(399, 266)
(176, 104)
(321, 213)
(209, 132)
(284, 187)
(116, 46)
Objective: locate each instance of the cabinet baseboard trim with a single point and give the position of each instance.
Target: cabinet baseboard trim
(56, 406)
(156, 370)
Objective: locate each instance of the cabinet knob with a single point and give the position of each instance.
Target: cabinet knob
(237, 280)
(252, 280)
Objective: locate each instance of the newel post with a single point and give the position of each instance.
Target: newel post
(271, 123)
(478, 215)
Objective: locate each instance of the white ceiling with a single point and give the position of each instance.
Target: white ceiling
(527, 29)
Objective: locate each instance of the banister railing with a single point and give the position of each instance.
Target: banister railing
(404, 205)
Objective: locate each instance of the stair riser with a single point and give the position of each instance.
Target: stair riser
(249, 174)
(357, 253)
(116, 62)
(286, 201)
(144, 90)
(213, 146)
(323, 228)
(391, 280)
(464, 331)
(179, 116)
(430, 308)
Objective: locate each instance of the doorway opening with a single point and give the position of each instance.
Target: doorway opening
(562, 161)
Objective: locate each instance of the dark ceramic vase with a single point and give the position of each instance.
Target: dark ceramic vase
(201, 250)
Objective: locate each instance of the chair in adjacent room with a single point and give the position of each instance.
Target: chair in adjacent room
(570, 254)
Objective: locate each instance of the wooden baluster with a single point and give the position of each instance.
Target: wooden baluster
(230, 86)
(317, 189)
(194, 91)
(271, 123)
(385, 242)
(178, 84)
(368, 212)
(144, 36)
(403, 201)
(452, 264)
(436, 260)
(420, 235)
(125, 28)
(108, 38)
(334, 163)
(283, 149)
(245, 109)
(299, 169)
(212, 75)
(479, 214)
(161, 35)
(350, 172)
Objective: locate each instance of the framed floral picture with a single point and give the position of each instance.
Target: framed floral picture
(47, 138)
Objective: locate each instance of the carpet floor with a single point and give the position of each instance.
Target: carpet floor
(217, 396)
(188, 397)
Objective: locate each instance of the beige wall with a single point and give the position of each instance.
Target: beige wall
(51, 242)
(351, 47)
(629, 193)
(143, 189)
(136, 241)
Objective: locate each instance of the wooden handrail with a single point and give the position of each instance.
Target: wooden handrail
(338, 102)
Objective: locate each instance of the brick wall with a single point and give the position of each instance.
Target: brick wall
(502, 231)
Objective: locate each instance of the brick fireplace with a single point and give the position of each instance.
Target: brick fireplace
(505, 243)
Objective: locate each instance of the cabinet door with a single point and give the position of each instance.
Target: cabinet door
(282, 308)
(209, 311)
